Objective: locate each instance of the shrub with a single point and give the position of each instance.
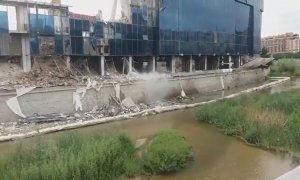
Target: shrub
(285, 67)
(167, 152)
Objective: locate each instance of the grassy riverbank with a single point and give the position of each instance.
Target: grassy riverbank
(285, 67)
(73, 156)
(100, 156)
(271, 121)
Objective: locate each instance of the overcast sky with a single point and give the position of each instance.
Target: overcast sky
(280, 16)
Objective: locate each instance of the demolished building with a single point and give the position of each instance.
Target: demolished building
(164, 35)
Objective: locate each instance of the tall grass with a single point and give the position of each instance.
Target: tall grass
(72, 157)
(271, 121)
(285, 67)
(168, 152)
(92, 157)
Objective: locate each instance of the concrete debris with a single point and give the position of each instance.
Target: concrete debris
(46, 118)
(76, 115)
(128, 102)
(258, 63)
(53, 72)
(14, 106)
(183, 94)
(13, 103)
(105, 114)
(77, 97)
(23, 90)
(118, 91)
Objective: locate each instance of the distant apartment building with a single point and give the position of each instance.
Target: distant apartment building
(293, 46)
(284, 43)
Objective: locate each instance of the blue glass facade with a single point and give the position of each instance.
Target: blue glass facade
(41, 24)
(3, 22)
(207, 27)
(175, 27)
(136, 39)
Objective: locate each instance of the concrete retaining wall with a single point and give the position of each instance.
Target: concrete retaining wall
(60, 100)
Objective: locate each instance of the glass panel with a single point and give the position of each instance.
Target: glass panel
(3, 22)
(59, 45)
(208, 26)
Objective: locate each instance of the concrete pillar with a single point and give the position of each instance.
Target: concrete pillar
(218, 63)
(240, 61)
(26, 58)
(173, 64)
(191, 64)
(153, 64)
(22, 27)
(102, 65)
(68, 62)
(230, 62)
(130, 65)
(205, 66)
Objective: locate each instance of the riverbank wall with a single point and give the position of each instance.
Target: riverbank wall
(63, 99)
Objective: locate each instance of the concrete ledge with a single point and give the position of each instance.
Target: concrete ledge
(292, 175)
(128, 116)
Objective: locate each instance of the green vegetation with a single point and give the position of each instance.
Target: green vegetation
(78, 156)
(168, 152)
(271, 121)
(287, 56)
(285, 67)
(72, 157)
(265, 53)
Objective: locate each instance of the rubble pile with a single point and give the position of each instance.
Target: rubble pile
(53, 72)
(41, 121)
(46, 72)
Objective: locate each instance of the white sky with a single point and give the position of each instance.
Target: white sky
(280, 16)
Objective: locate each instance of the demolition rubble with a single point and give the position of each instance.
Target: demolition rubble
(53, 72)
(42, 121)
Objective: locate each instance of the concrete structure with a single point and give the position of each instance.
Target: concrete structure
(17, 33)
(283, 43)
(294, 174)
(60, 100)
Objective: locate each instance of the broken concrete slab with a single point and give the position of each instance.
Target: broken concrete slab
(13, 103)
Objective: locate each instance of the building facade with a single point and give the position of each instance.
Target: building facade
(284, 43)
(144, 30)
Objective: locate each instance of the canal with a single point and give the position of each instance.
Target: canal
(217, 156)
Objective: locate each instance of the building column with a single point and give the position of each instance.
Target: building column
(230, 62)
(205, 66)
(102, 66)
(191, 64)
(26, 57)
(130, 65)
(240, 61)
(68, 62)
(173, 64)
(218, 63)
(22, 27)
(153, 64)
